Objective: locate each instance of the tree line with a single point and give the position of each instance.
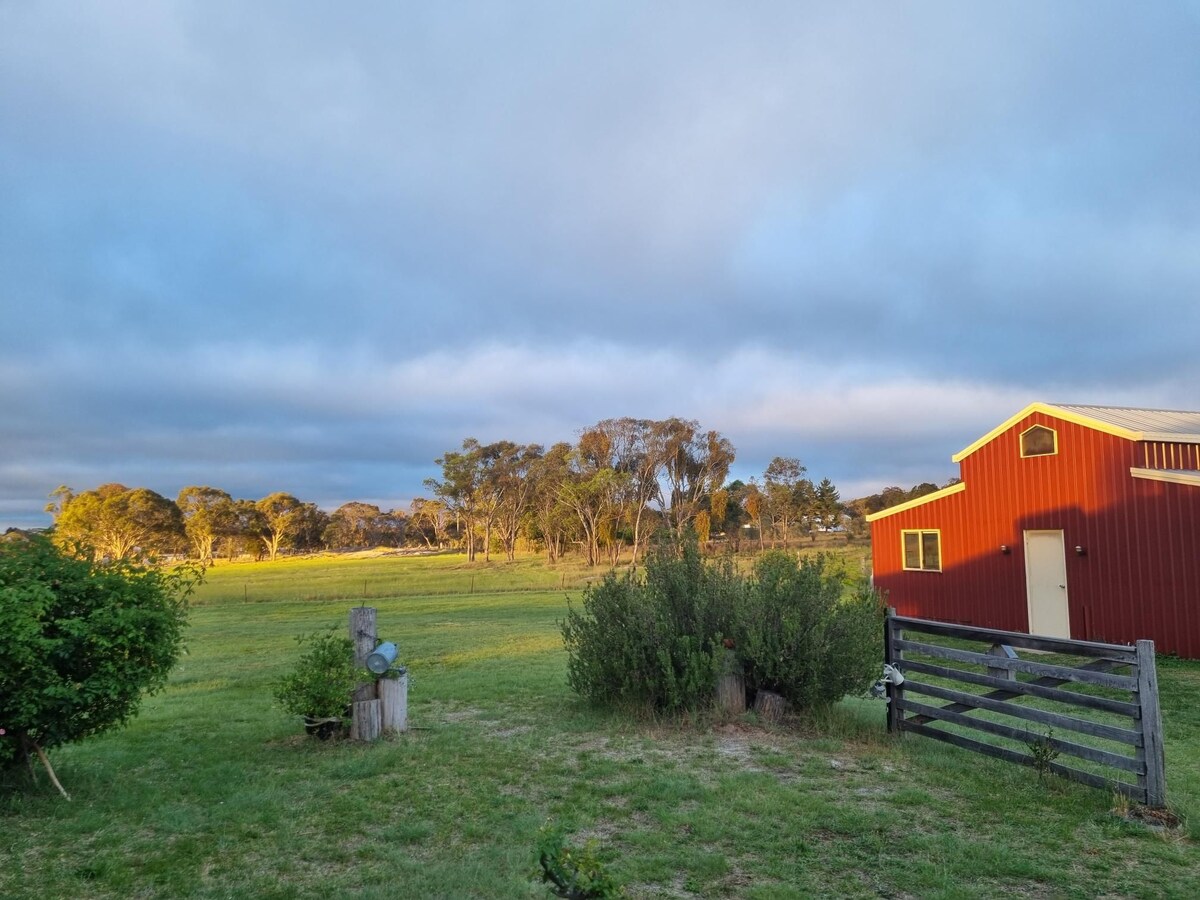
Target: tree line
(601, 496)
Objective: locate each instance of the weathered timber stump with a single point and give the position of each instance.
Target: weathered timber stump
(367, 723)
(393, 696)
(731, 694)
(769, 706)
(731, 686)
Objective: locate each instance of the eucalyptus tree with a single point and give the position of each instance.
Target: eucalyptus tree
(637, 449)
(592, 495)
(459, 488)
(782, 485)
(552, 519)
(118, 522)
(695, 464)
(208, 515)
(281, 518)
(427, 521)
(754, 504)
(512, 473)
(358, 524)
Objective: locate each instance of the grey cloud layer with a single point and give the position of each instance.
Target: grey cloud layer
(293, 243)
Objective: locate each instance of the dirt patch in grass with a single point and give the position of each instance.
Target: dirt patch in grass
(1151, 817)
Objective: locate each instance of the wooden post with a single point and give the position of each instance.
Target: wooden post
(731, 686)
(1002, 651)
(891, 656)
(367, 722)
(1154, 782)
(769, 706)
(362, 633)
(393, 695)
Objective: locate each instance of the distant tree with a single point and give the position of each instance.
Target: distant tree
(552, 520)
(308, 528)
(208, 514)
(281, 517)
(459, 488)
(592, 495)
(636, 448)
(59, 498)
(754, 503)
(695, 464)
(732, 514)
(357, 524)
(351, 525)
(512, 473)
(246, 530)
(827, 505)
(427, 522)
(120, 523)
(703, 526)
(783, 486)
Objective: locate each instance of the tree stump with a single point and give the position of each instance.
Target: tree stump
(368, 720)
(731, 686)
(731, 694)
(393, 695)
(769, 706)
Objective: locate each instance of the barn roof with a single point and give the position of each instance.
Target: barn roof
(1131, 423)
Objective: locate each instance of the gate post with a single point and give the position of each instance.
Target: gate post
(1154, 782)
(891, 656)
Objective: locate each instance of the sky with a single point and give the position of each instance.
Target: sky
(311, 247)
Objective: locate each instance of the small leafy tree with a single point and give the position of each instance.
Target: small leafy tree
(83, 642)
(323, 679)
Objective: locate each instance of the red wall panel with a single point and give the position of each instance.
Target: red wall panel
(1137, 578)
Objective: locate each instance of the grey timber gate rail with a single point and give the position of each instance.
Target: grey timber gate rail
(1105, 696)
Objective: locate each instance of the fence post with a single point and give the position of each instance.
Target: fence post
(365, 712)
(1004, 652)
(891, 656)
(1154, 782)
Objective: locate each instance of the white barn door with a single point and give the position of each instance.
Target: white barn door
(1046, 583)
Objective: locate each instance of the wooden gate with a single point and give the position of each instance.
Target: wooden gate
(1000, 704)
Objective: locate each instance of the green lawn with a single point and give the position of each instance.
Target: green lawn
(212, 792)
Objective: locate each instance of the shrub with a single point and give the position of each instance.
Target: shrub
(659, 643)
(654, 644)
(799, 637)
(574, 873)
(83, 642)
(320, 684)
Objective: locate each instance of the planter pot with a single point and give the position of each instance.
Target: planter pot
(324, 728)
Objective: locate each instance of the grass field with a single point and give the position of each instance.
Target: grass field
(213, 792)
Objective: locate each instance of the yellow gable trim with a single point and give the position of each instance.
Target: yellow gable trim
(901, 507)
(1050, 410)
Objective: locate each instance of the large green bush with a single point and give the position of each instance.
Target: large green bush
(800, 636)
(659, 642)
(655, 643)
(80, 642)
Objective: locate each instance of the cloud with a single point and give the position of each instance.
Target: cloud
(288, 246)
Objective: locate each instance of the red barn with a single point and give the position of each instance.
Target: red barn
(1073, 521)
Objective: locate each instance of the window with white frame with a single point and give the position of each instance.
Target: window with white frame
(922, 550)
(1039, 441)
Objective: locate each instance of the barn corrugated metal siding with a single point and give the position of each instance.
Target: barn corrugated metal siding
(1139, 576)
